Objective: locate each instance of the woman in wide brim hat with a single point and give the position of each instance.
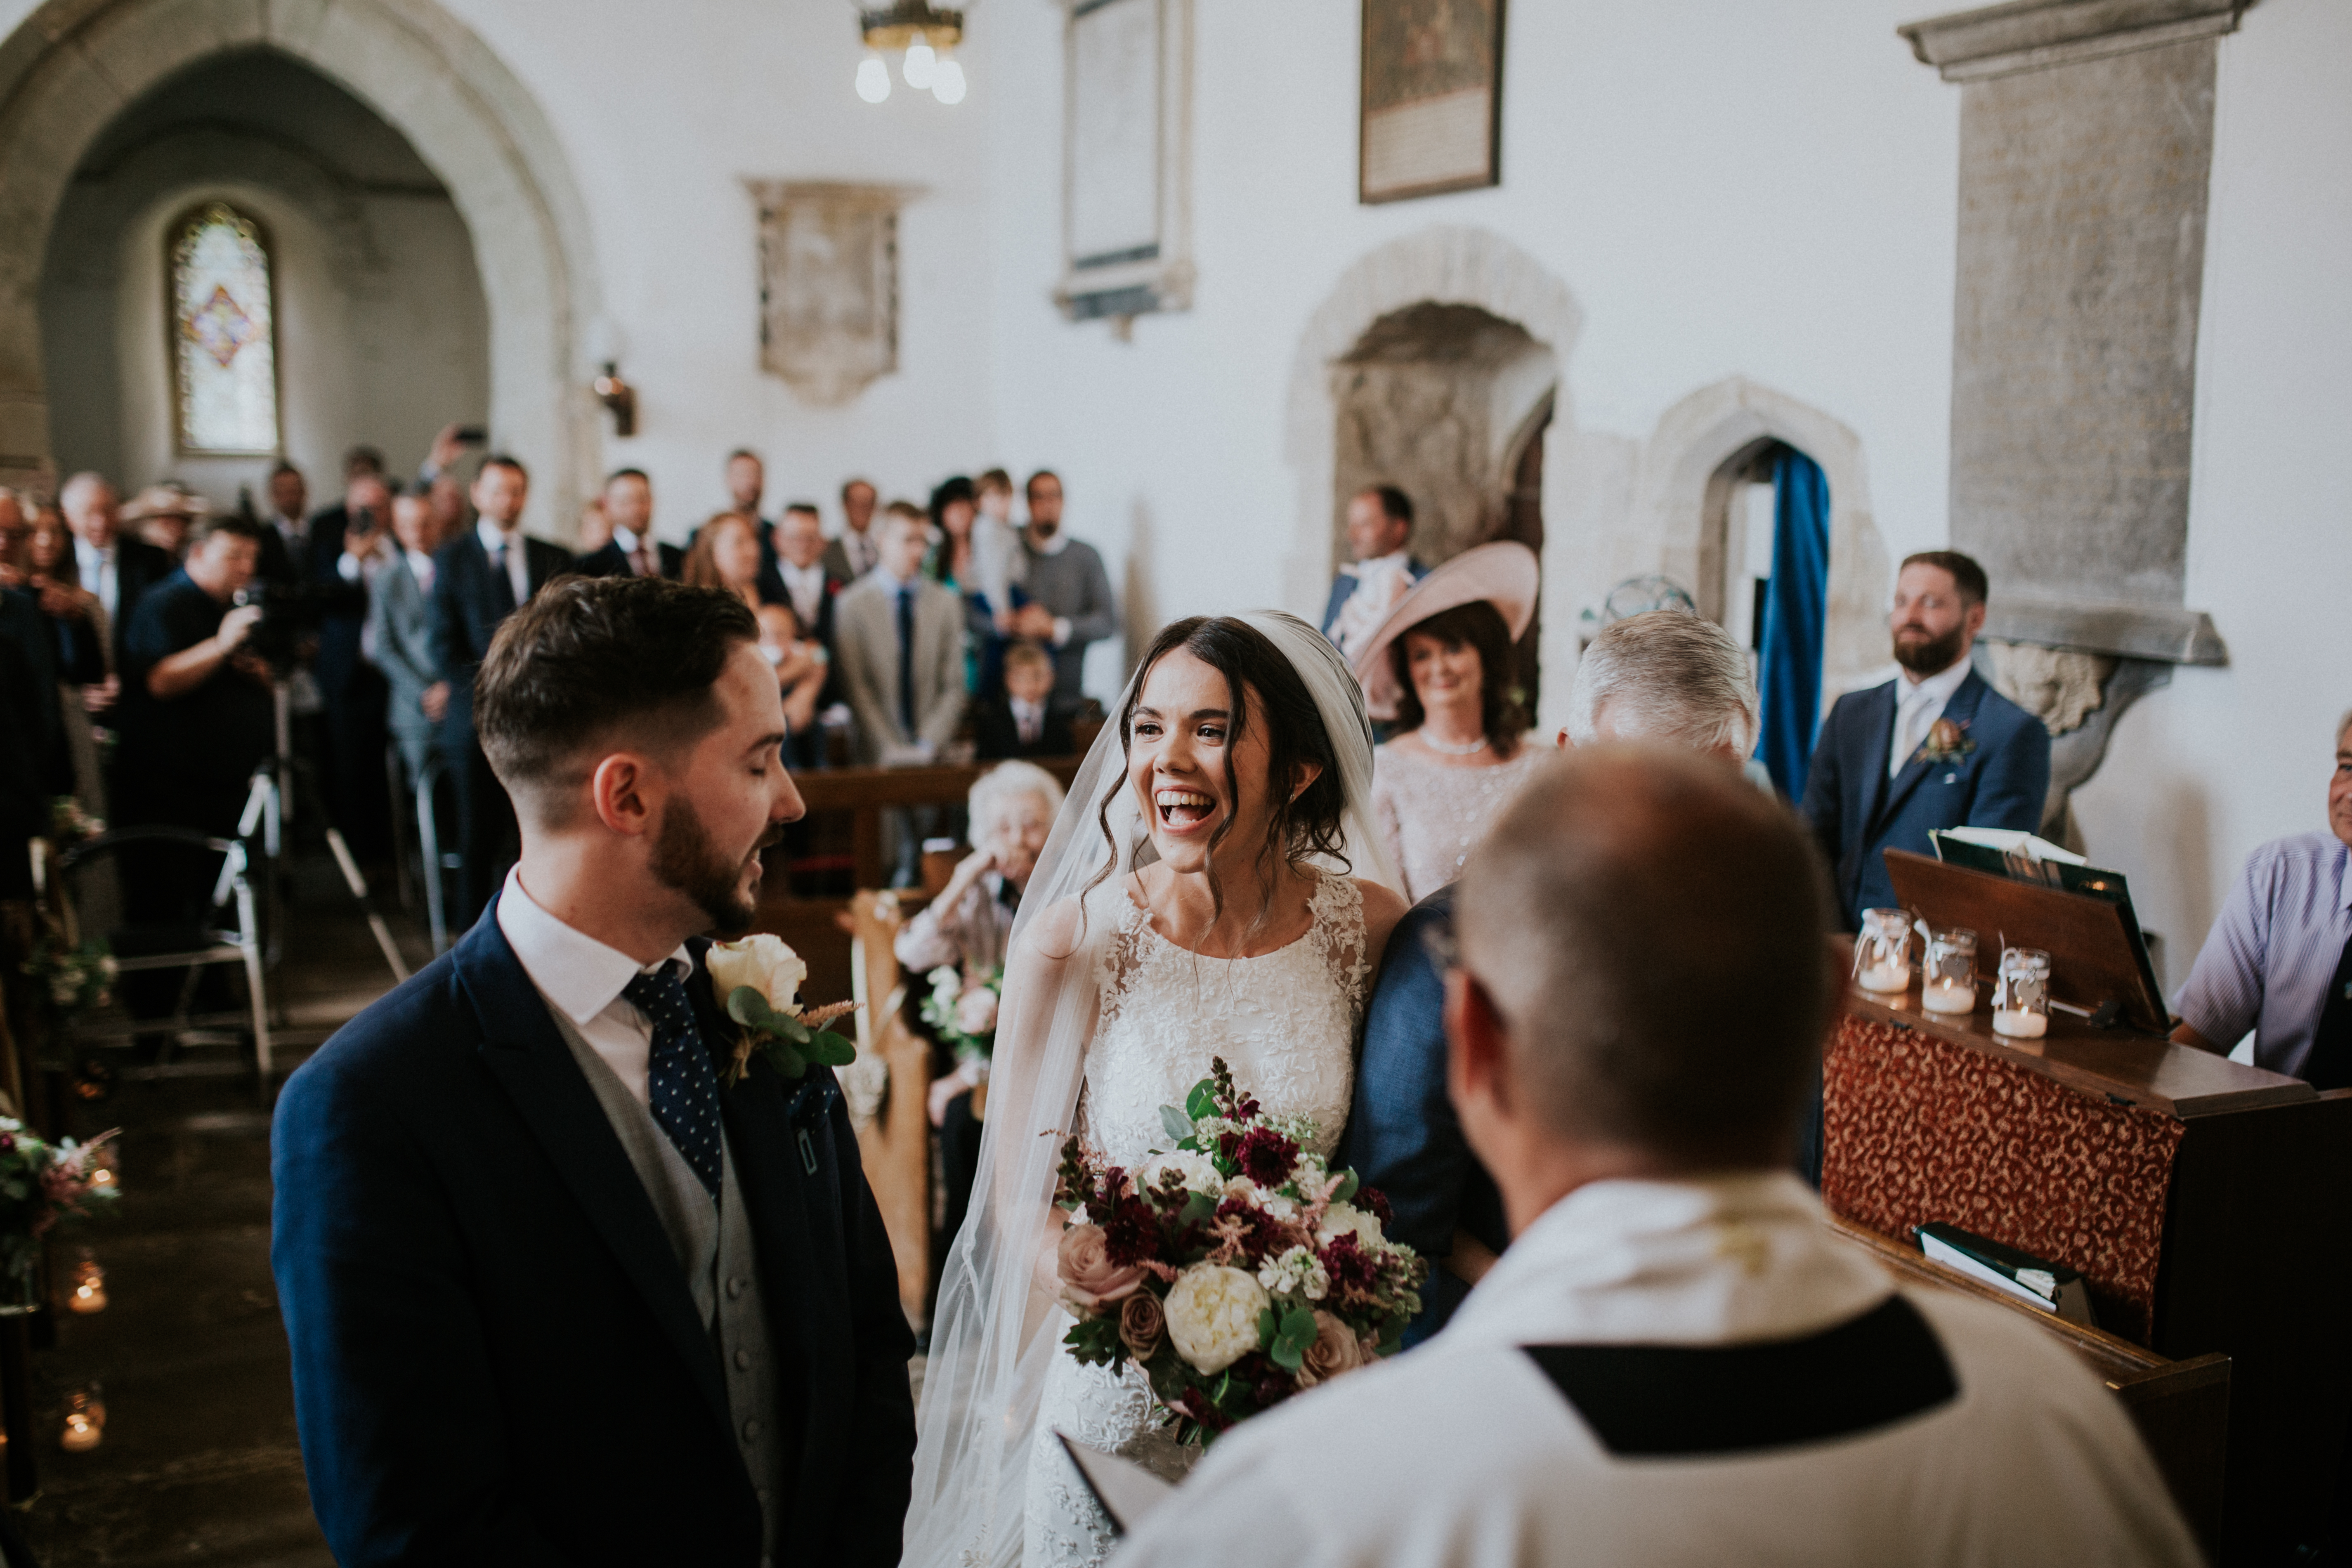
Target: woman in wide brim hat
(163, 513)
(1440, 668)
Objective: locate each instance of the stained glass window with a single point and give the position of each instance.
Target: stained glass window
(223, 342)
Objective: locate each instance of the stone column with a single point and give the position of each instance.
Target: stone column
(2086, 134)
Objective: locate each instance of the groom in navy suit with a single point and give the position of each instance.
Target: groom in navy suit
(560, 1287)
(1937, 747)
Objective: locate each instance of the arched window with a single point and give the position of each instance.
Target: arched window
(224, 333)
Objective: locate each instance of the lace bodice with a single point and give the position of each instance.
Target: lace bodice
(1284, 1021)
(1431, 815)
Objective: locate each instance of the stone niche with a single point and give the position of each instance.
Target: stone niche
(2086, 139)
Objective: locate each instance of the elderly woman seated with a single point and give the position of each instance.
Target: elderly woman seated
(968, 926)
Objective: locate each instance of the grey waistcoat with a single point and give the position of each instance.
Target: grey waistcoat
(713, 1246)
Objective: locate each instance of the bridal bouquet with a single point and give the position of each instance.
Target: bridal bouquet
(962, 1009)
(1237, 1269)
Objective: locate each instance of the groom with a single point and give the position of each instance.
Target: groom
(556, 1292)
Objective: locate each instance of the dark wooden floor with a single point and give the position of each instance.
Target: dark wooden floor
(199, 1464)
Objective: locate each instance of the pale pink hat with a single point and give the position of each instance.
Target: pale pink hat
(1505, 573)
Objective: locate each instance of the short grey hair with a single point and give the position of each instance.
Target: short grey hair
(994, 793)
(1676, 678)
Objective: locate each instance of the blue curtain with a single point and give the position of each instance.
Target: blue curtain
(1796, 609)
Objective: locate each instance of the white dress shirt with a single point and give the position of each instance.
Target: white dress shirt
(420, 566)
(518, 564)
(806, 587)
(1464, 1454)
(94, 564)
(1380, 583)
(1917, 705)
(581, 980)
(1028, 719)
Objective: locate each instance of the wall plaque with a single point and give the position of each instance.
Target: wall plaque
(1127, 198)
(1432, 98)
(828, 284)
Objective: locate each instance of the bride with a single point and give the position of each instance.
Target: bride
(1195, 900)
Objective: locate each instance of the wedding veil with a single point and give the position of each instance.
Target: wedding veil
(997, 1329)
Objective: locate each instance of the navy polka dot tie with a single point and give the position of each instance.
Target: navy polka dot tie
(680, 1082)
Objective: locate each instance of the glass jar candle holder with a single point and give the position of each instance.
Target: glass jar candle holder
(1881, 953)
(2021, 997)
(85, 1425)
(86, 1285)
(1948, 975)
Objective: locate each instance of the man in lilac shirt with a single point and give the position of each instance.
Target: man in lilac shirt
(2279, 961)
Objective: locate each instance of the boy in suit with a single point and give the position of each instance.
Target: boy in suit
(1031, 721)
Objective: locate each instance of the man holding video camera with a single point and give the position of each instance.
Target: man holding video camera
(197, 713)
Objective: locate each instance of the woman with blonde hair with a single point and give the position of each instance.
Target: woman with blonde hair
(726, 556)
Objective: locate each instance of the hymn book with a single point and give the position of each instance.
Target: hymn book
(2051, 1287)
(2024, 857)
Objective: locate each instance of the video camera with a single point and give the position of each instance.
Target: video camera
(291, 612)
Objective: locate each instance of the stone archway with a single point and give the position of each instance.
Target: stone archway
(1677, 501)
(1442, 266)
(73, 64)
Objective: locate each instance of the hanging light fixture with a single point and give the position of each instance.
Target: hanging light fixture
(925, 35)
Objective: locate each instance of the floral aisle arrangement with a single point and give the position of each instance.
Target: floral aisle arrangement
(69, 825)
(962, 1009)
(69, 978)
(42, 1184)
(1237, 1269)
(756, 981)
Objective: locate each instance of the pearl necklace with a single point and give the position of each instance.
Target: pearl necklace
(1445, 750)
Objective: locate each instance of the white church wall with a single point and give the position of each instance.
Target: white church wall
(1763, 190)
(2222, 760)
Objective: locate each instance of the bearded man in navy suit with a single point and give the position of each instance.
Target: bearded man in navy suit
(1936, 747)
(561, 1285)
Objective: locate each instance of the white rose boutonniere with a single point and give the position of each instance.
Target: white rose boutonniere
(757, 980)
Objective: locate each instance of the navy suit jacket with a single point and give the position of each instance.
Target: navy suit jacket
(496, 1360)
(1402, 1135)
(1343, 588)
(612, 561)
(466, 614)
(1857, 812)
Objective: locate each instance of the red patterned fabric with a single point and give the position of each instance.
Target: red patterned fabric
(1916, 1128)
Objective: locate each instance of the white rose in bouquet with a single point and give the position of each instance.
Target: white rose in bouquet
(765, 964)
(976, 1013)
(1200, 1173)
(1213, 1316)
(1341, 1218)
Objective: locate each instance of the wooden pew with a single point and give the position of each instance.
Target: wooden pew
(889, 1091)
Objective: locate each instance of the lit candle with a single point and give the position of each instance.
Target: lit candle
(88, 1290)
(1948, 995)
(101, 1177)
(2020, 1024)
(81, 1433)
(1884, 978)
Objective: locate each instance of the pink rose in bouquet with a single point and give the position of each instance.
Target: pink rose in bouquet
(1090, 1279)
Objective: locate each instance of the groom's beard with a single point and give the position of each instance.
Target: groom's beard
(685, 860)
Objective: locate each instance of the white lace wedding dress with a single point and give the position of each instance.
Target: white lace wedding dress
(1285, 1024)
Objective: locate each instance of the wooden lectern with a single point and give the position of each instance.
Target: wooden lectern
(2206, 1203)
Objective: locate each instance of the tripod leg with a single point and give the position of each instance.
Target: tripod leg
(358, 885)
(250, 944)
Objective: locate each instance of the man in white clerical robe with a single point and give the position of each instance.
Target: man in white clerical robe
(1676, 1362)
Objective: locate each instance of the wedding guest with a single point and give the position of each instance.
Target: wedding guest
(747, 480)
(1012, 809)
(116, 569)
(400, 620)
(163, 514)
(800, 664)
(595, 529)
(857, 551)
(559, 1286)
(1937, 747)
(1678, 1362)
(900, 650)
(629, 508)
(2279, 961)
(197, 715)
(1440, 668)
(1379, 530)
(286, 543)
(29, 636)
(1030, 721)
(955, 563)
(1666, 678)
(86, 685)
(999, 540)
(1069, 605)
(479, 578)
(726, 556)
(348, 545)
(800, 571)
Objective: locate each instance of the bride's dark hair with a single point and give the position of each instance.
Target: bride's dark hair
(1313, 823)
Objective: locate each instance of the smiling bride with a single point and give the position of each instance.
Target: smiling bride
(1201, 898)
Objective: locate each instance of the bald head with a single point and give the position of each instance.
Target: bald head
(1646, 930)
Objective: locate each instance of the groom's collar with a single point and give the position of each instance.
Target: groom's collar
(579, 975)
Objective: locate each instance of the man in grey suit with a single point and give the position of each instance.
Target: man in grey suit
(400, 632)
(852, 554)
(898, 644)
